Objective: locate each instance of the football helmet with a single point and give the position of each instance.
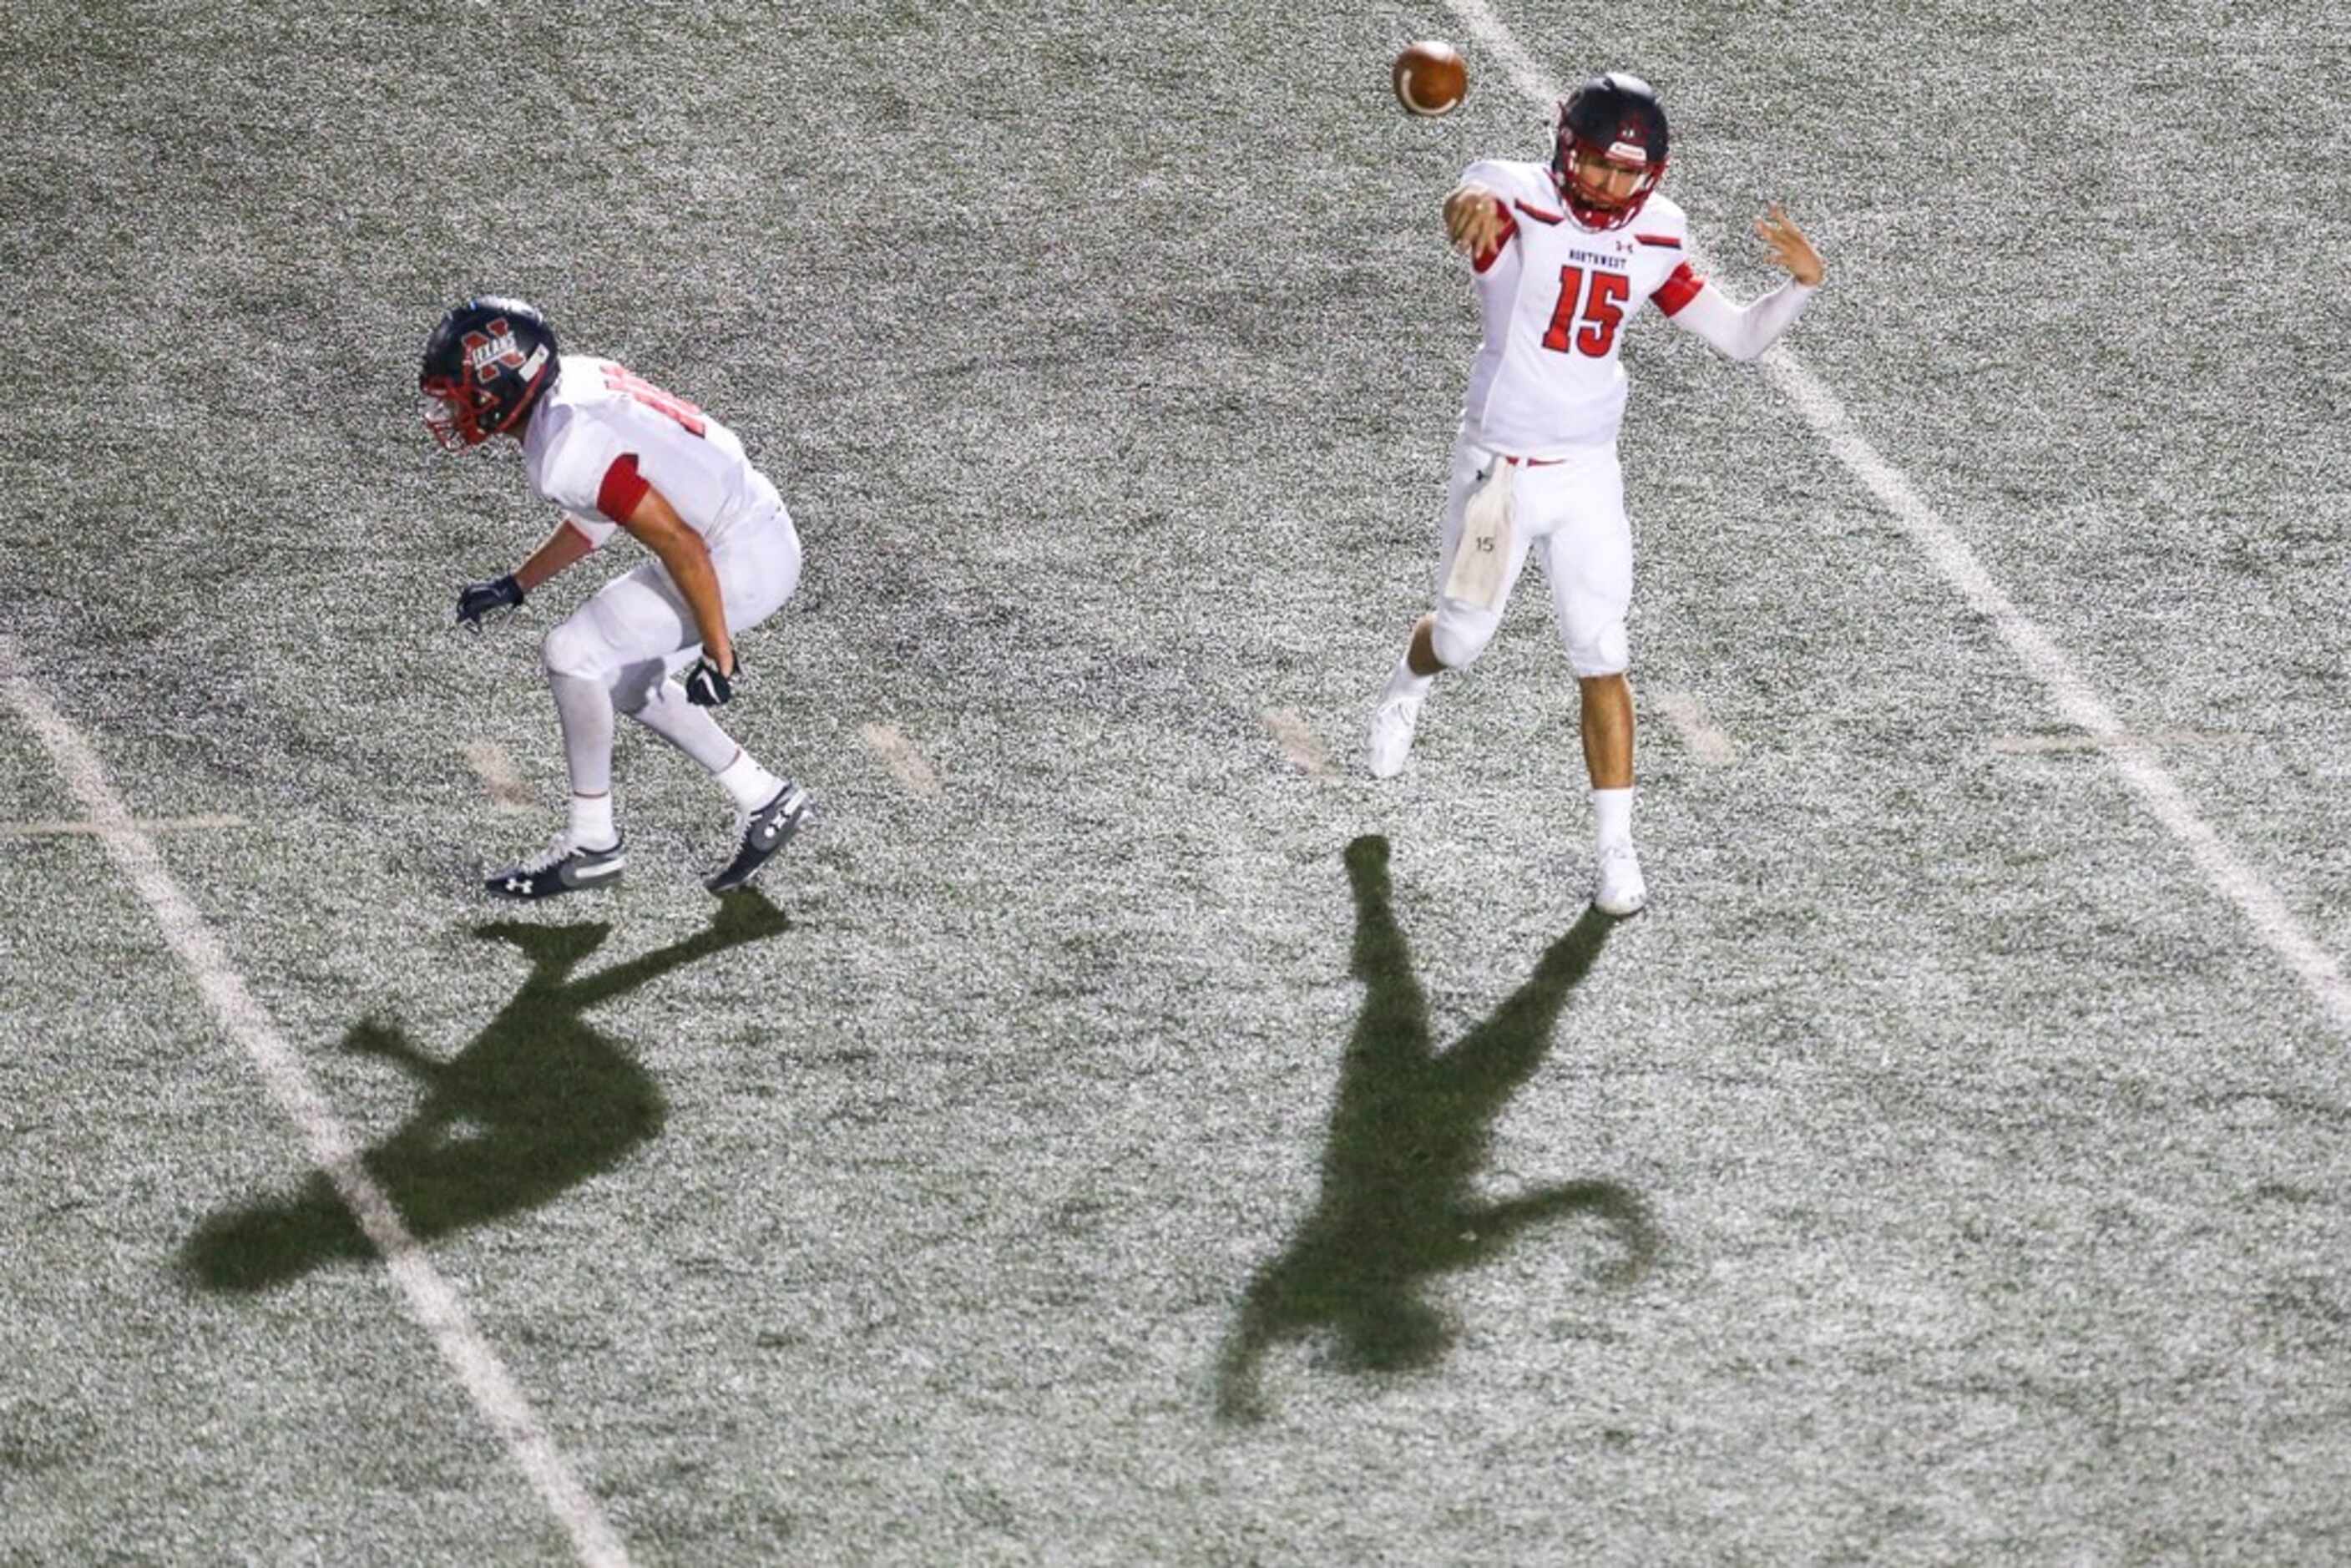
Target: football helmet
(1615, 120)
(485, 365)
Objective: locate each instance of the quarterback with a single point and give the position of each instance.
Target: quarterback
(617, 452)
(1564, 254)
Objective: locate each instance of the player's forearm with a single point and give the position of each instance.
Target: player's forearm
(1773, 314)
(1743, 331)
(563, 549)
(687, 562)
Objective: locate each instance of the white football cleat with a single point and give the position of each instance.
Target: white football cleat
(1622, 891)
(1392, 726)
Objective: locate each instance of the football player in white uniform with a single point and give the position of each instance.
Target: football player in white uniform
(1564, 254)
(617, 452)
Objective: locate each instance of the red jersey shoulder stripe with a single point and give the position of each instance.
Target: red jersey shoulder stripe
(1659, 239)
(622, 488)
(1680, 286)
(1538, 213)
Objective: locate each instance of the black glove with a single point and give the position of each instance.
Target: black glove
(476, 600)
(705, 687)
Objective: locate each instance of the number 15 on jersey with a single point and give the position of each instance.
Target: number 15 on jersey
(1593, 330)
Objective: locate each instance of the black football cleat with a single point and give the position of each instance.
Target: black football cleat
(564, 868)
(764, 831)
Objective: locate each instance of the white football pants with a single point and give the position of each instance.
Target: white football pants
(622, 649)
(1573, 510)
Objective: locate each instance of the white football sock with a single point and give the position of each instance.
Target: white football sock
(1403, 683)
(592, 821)
(751, 785)
(1612, 818)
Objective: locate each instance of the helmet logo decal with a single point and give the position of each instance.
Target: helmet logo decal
(1631, 143)
(491, 349)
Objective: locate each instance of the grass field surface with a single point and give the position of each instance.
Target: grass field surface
(1121, 1130)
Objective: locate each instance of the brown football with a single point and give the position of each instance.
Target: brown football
(1431, 77)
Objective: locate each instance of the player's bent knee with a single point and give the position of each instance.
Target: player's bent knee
(572, 649)
(1608, 652)
(1458, 638)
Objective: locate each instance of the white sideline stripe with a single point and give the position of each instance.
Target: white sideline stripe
(495, 770)
(431, 1299)
(1299, 742)
(1708, 742)
(145, 825)
(906, 764)
(2133, 756)
(2275, 924)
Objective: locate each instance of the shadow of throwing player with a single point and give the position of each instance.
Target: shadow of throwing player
(534, 1104)
(1410, 1129)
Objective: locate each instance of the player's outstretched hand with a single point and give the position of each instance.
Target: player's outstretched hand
(1789, 247)
(1473, 219)
(476, 600)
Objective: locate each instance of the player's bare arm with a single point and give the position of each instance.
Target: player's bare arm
(1474, 220)
(656, 523)
(564, 549)
(1790, 248)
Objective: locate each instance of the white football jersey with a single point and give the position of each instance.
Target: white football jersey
(600, 437)
(1556, 297)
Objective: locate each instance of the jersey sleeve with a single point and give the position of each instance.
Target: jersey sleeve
(588, 472)
(1494, 175)
(1510, 185)
(590, 527)
(1681, 286)
(1740, 331)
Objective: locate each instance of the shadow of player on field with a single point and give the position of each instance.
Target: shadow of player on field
(1410, 1130)
(534, 1104)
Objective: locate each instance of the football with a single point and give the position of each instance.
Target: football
(1431, 79)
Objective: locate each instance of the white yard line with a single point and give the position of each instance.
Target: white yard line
(1708, 742)
(2134, 758)
(1298, 740)
(906, 764)
(38, 829)
(431, 1300)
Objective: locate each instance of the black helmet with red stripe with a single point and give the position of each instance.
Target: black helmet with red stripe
(1612, 122)
(485, 365)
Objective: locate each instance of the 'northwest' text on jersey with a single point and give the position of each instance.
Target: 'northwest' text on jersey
(601, 435)
(1556, 298)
